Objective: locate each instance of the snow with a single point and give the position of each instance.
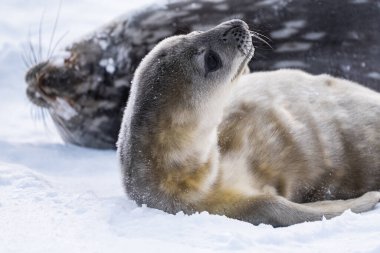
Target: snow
(108, 64)
(289, 64)
(290, 28)
(56, 197)
(293, 46)
(374, 75)
(314, 35)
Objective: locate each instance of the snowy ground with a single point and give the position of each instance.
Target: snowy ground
(61, 198)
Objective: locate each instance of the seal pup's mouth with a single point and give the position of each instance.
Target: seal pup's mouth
(247, 58)
(245, 46)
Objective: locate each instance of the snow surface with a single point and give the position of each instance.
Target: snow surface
(61, 198)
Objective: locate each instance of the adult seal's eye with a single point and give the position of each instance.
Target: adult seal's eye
(212, 61)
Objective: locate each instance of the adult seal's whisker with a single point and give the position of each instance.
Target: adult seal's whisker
(59, 40)
(49, 53)
(27, 54)
(43, 117)
(32, 50)
(40, 56)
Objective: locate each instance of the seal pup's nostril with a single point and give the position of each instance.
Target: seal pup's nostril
(236, 33)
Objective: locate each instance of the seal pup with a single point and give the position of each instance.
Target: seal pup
(280, 147)
(93, 82)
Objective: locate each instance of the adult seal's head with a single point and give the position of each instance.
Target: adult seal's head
(83, 92)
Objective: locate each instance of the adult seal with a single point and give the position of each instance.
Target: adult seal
(86, 94)
(279, 147)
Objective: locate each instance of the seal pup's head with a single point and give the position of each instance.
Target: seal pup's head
(187, 69)
(176, 103)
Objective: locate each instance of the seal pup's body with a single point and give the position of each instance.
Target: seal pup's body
(278, 147)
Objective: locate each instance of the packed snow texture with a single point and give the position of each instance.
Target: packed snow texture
(61, 198)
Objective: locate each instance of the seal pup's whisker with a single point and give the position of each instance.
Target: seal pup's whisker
(260, 35)
(254, 35)
(259, 55)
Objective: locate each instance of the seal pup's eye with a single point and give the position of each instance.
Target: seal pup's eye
(212, 61)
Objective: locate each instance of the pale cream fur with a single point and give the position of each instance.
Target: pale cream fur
(257, 147)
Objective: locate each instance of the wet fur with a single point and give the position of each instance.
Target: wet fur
(278, 147)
